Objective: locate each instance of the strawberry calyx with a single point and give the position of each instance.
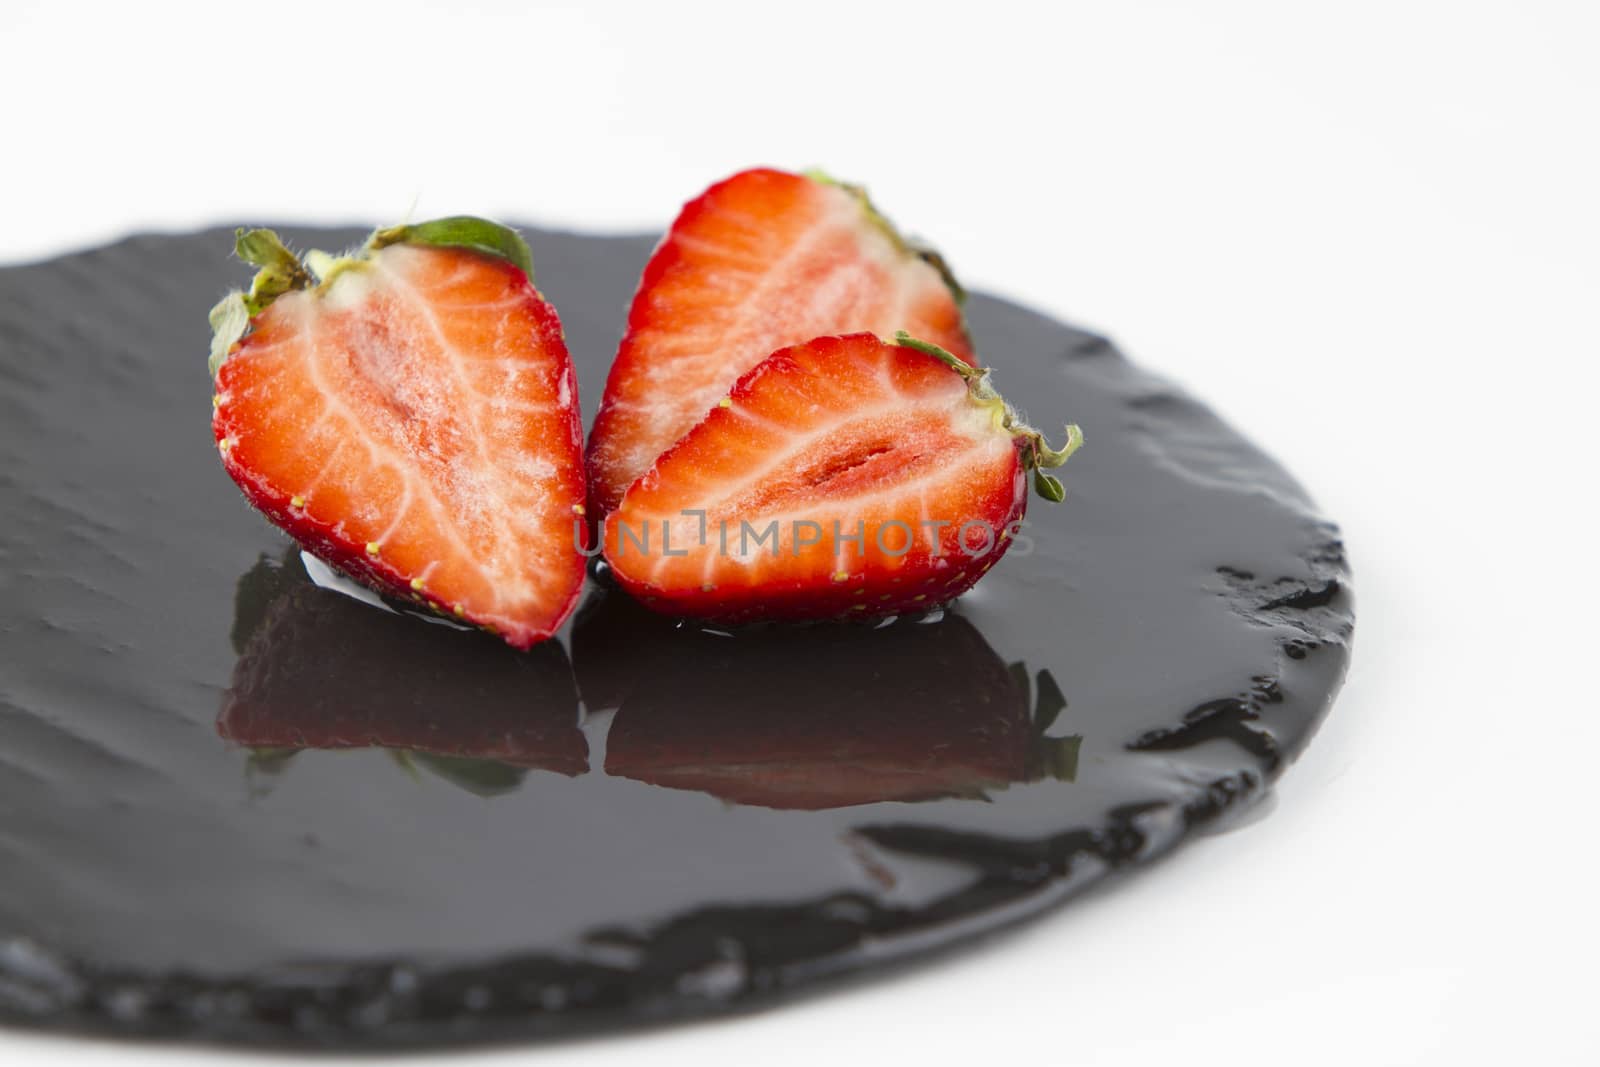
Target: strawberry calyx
(911, 246)
(280, 271)
(1038, 456)
(461, 231)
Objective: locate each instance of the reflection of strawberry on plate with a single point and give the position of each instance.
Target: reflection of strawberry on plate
(820, 717)
(320, 670)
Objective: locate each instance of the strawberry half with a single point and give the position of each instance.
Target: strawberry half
(409, 414)
(762, 260)
(844, 476)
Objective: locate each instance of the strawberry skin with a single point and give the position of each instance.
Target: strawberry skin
(412, 419)
(838, 438)
(763, 260)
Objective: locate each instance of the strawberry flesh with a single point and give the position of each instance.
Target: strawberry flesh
(763, 260)
(847, 476)
(414, 422)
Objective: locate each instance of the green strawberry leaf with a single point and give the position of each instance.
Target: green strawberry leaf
(462, 231)
(1049, 487)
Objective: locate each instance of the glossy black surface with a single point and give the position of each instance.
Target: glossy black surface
(237, 806)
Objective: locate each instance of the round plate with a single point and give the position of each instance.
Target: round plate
(237, 806)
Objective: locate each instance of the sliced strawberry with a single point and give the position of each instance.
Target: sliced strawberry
(844, 476)
(410, 415)
(762, 260)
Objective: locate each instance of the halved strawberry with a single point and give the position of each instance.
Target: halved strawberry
(844, 476)
(762, 260)
(409, 414)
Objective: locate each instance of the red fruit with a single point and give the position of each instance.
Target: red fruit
(821, 442)
(760, 261)
(411, 418)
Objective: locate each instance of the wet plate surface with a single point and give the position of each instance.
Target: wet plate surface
(237, 806)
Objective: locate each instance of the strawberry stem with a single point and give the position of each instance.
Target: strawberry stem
(1037, 453)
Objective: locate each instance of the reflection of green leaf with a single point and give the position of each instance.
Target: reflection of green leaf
(269, 760)
(1055, 758)
(402, 759)
(483, 777)
(1019, 676)
(1051, 702)
(263, 766)
(1058, 757)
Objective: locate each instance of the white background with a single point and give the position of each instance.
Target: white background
(1368, 233)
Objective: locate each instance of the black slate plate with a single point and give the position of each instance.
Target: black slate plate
(410, 835)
